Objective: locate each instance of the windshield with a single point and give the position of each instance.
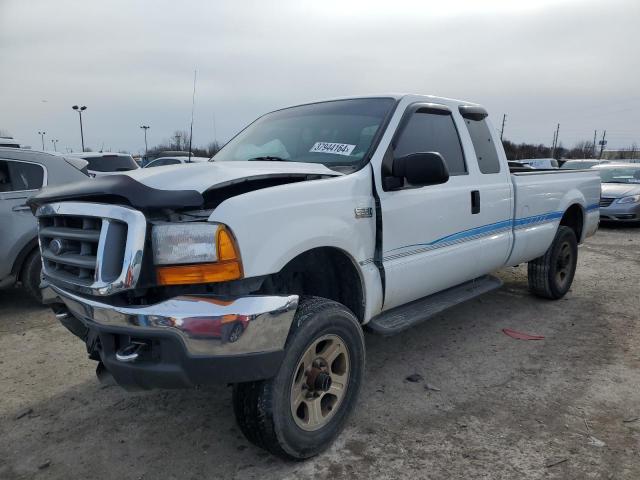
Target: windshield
(620, 175)
(111, 163)
(337, 133)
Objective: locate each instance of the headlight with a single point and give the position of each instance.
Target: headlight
(184, 243)
(631, 199)
(188, 253)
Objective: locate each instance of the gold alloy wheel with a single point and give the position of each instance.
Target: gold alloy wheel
(564, 263)
(320, 382)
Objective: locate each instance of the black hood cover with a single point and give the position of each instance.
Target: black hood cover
(117, 188)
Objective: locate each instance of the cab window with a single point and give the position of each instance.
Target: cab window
(433, 132)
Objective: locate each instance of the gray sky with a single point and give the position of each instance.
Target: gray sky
(132, 62)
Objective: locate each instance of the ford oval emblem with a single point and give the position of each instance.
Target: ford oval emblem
(56, 246)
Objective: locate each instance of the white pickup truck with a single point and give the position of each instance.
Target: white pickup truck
(261, 267)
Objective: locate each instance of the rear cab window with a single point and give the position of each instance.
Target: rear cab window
(483, 144)
(17, 176)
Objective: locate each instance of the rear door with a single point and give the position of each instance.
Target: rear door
(18, 181)
(493, 186)
(438, 236)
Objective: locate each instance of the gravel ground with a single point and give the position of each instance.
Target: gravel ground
(487, 406)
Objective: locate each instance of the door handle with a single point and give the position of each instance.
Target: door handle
(21, 208)
(475, 201)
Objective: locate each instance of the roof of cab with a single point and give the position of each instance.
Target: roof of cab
(415, 97)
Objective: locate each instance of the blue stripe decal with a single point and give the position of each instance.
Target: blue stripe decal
(484, 230)
(594, 206)
(545, 217)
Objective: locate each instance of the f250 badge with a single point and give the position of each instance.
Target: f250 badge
(363, 212)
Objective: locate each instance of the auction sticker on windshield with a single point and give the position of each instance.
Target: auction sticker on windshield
(336, 148)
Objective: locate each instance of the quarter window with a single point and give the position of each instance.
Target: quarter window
(482, 140)
(18, 176)
(433, 132)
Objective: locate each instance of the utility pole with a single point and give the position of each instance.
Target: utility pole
(193, 102)
(42, 134)
(504, 118)
(555, 142)
(145, 128)
(603, 142)
(80, 110)
(54, 144)
(178, 136)
(593, 148)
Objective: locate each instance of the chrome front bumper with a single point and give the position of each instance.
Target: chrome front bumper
(205, 325)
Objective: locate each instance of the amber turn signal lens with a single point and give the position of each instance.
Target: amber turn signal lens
(199, 273)
(226, 246)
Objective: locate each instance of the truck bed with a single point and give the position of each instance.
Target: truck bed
(541, 197)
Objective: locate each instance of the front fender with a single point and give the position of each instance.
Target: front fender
(274, 225)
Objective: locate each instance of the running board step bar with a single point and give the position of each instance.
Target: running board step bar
(405, 316)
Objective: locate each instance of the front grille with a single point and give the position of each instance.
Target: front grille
(606, 201)
(70, 248)
(95, 247)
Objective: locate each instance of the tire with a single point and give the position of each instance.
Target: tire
(264, 410)
(30, 275)
(551, 275)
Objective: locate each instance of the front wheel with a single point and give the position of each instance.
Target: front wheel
(300, 411)
(551, 275)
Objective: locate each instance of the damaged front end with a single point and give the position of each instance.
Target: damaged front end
(103, 276)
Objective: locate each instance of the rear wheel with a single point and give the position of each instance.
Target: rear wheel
(300, 411)
(30, 275)
(551, 275)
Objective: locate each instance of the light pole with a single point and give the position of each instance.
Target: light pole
(42, 134)
(80, 110)
(54, 141)
(145, 128)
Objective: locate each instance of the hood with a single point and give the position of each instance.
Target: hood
(617, 190)
(203, 176)
(184, 185)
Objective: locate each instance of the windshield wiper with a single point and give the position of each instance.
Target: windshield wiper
(268, 159)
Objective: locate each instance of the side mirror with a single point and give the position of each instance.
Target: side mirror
(420, 169)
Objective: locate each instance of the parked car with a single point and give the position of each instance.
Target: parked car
(620, 198)
(162, 161)
(538, 163)
(22, 173)
(107, 163)
(582, 163)
(9, 142)
(313, 222)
